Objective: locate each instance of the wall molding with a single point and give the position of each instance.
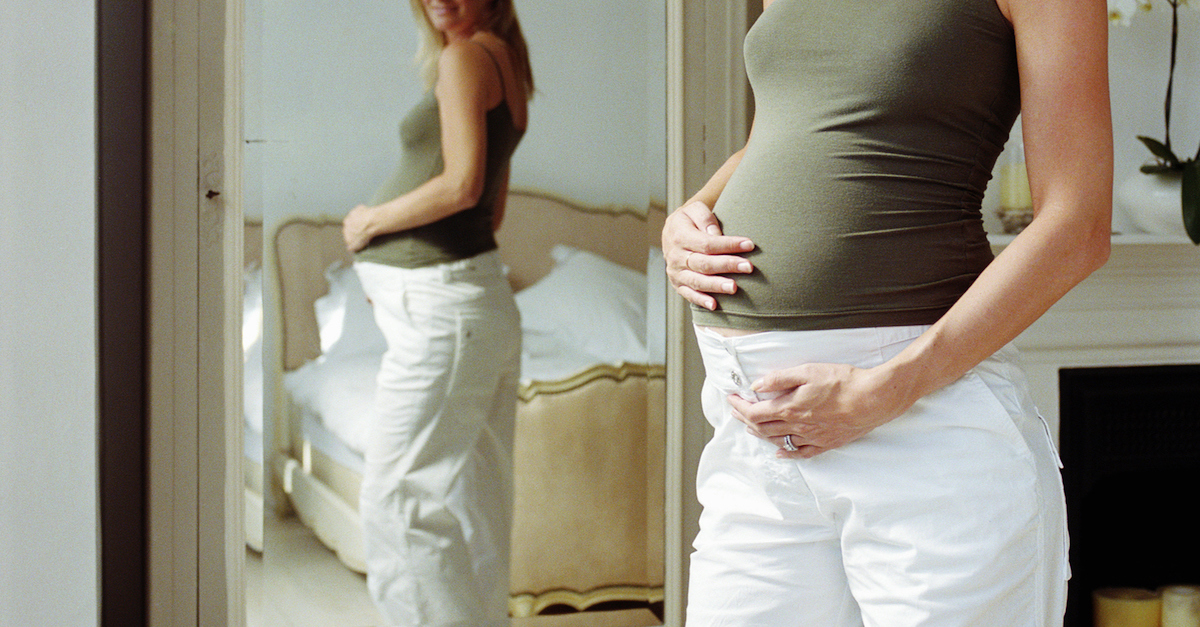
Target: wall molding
(1141, 309)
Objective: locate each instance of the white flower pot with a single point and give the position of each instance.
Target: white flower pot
(1152, 202)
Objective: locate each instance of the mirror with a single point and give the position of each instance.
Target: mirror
(325, 88)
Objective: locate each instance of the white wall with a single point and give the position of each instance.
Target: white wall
(326, 88)
(1138, 77)
(48, 503)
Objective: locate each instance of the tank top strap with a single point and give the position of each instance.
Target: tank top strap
(499, 70)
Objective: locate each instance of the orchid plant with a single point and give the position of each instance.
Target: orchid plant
(1165, 159)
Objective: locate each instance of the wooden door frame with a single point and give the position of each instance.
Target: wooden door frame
(196, 550)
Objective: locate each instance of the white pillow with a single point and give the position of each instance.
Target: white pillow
(344, 317)
(590, 305)
(252, 347)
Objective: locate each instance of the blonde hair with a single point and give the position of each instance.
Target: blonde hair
(500, 21)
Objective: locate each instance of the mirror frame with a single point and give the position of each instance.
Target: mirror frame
(195, 568)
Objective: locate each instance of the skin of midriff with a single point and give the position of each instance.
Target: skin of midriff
(731, 332)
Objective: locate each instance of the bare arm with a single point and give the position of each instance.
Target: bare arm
(462, 94)
(1062, 56)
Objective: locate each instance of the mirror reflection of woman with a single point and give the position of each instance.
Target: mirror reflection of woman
(436, 500)
(878, 459)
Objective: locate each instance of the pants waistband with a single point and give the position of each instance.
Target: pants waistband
(484, 264)
(861, 347)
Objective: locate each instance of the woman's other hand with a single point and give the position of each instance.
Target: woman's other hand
(356, 228)
(697, 252)
(822, 406)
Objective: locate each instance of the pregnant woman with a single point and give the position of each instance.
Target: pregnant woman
(877, 459)
(436, 499)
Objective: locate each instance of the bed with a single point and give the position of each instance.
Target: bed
(587, 517)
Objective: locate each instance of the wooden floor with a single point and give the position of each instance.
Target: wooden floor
(308, 586)
(300, 583)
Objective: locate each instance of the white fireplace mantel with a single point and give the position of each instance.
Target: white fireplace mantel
(1141, 308)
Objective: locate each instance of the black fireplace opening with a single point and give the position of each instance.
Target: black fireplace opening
(1130, 445)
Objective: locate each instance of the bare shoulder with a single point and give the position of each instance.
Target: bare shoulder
(464, 68)
(1018, 11)
(493, 41)
(462, 57)
(488, 43)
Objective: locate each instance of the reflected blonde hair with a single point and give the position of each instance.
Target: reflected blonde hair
(501, 20)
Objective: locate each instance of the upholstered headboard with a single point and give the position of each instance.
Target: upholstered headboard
(533, 224)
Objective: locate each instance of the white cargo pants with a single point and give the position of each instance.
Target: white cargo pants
(951, 515)
(436, 500)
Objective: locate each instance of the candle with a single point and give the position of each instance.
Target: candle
(1016, 202)
(1014, 187)
(1127, 607)
(1181, 606)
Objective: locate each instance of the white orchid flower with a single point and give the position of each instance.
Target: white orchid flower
(1119, 11)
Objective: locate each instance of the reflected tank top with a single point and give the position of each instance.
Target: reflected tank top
(459, 235)
(877, 124)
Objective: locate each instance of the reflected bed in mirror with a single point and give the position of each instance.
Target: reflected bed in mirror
(587, 529)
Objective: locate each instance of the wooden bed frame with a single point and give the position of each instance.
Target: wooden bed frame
(588, 521)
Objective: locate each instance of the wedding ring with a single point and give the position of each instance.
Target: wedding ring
(787, 443)
(687, 261)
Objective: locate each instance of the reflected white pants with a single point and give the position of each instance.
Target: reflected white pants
(436, 500)
(950, 515)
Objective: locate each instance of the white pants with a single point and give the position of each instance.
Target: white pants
(950, 515)
(436, 500)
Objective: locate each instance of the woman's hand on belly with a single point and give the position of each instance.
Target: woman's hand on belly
(821, 406)
(697, 252)
(356, 228)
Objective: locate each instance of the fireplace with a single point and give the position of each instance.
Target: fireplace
(1130, 444)
(1130, 330)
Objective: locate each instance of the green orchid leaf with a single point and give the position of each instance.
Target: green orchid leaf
(1190, 194)
(1156, 168)
(1159, 150)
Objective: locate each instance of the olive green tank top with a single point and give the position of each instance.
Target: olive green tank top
(877, 124)
(460, 235)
